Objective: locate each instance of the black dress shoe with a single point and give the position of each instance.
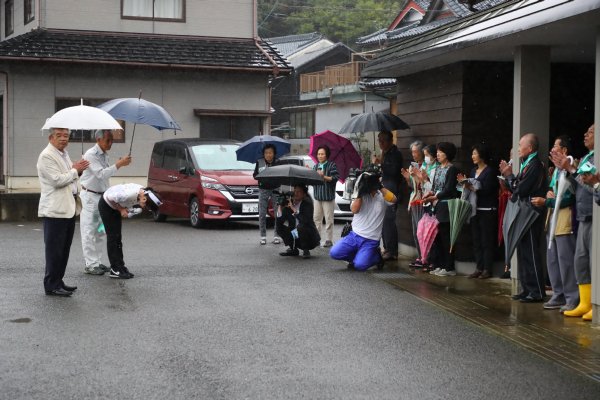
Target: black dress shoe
(529, 299)
(69, 288)
(290, 252)
(59, 292)
(519, 296)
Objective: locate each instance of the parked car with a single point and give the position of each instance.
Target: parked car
(342, 206)
(202, 180)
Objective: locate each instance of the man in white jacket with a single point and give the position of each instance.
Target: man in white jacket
(58, 207)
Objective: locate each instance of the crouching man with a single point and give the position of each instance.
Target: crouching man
(369, 204)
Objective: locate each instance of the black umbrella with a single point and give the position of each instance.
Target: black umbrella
(518, 218)
(289, 175)
(373, 122)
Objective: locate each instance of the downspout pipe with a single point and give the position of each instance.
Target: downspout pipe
(4, 132)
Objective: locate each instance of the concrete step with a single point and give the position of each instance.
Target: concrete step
(18, 206)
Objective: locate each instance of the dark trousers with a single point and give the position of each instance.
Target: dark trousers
(530, 269)
(58, 235)
(112, 224)
(284, 226)
(442, 257)
(484, 228)
(390, 231)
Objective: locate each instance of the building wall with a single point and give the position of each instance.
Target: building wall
(232, 18)
(33, 90)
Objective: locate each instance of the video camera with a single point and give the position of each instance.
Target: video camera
(282, 199)
(354, 173)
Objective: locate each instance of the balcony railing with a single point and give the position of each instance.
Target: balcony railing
(333, 75)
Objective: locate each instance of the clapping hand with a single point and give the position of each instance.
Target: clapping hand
(505, 168)
(81, 165)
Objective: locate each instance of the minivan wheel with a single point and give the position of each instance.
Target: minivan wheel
(158, 217)
(195, 213)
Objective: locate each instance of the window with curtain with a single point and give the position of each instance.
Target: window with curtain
(9, 22)
(28, 11)
(87, 136)
(154, 9)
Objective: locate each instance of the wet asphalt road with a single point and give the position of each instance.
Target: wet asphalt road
(213, 315)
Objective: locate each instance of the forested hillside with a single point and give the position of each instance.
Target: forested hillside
(339, 20)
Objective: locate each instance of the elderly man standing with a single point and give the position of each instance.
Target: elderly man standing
(529, 182)
(58, 207)
(94, 182)
(391, 177)
(584, 202)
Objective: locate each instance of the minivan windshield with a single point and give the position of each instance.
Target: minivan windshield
(219, 157)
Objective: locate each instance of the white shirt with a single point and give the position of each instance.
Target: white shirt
(368, 222)
(96, 176)
(125, 195)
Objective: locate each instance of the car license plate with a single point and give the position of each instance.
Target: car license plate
(248, 208)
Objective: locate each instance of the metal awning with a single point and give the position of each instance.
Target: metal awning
(567, 26)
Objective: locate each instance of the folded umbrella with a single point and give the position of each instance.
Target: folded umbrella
(503, 197)
(252, 149)
(289, 174)
(561, 188)
(427, 230)
(343, 153)
(459, 211)
(518, 218)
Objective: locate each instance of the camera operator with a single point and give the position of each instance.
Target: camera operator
(391, 167)
(370, 200)
(294, 223)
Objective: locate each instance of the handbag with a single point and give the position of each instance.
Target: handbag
(346, 229)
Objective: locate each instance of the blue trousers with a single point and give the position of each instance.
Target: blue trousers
(363, 253)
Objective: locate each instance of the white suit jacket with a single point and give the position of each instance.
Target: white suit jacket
(56, 179)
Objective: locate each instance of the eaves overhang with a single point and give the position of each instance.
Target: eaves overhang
(567, 26)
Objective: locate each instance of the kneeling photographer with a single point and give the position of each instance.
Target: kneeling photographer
(294, 222)
(369, 204)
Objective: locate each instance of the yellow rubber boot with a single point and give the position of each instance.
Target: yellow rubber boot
(587, 316)
(585, 302)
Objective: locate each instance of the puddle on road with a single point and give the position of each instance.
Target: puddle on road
(20, 320)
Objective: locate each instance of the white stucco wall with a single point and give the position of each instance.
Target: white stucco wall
(231, 18)
(32, 92)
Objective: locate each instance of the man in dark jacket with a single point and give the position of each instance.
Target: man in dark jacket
(529, 182)
(391, 173)
(295, 225)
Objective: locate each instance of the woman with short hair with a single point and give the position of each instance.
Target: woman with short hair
(324, 193)
(265, 191)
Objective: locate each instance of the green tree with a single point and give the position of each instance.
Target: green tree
(338, 20)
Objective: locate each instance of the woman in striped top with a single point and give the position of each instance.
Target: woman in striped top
(325, 194)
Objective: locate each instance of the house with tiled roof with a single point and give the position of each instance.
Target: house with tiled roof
(201, 60)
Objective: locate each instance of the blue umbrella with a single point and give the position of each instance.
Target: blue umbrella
(139, 111)
(252, 149)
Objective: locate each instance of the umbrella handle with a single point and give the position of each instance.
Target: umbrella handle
(132, 136)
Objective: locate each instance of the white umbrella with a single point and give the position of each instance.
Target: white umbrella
(562, 186)
(81, 118)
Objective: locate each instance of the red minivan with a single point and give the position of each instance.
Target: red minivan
(202, 180)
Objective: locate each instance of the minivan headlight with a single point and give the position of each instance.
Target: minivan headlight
(210, 183)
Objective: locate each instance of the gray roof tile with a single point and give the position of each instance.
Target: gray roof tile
(111, 47)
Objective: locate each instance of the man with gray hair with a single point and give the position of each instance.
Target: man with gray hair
(58, 207)
(94, 182)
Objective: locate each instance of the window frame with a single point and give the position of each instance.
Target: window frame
(78, 135)
(182, 19)
(304, 122)
(31, 15)
(9, 17)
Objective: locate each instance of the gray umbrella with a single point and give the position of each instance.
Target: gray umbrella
(518, 218)
(289, 175)
(373, 122)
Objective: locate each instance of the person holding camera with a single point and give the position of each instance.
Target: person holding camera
(370, 201)
(325, 193)
(265, 191)
(294, 222)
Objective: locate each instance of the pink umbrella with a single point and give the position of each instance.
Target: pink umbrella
(343, 153)
(426, 232)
